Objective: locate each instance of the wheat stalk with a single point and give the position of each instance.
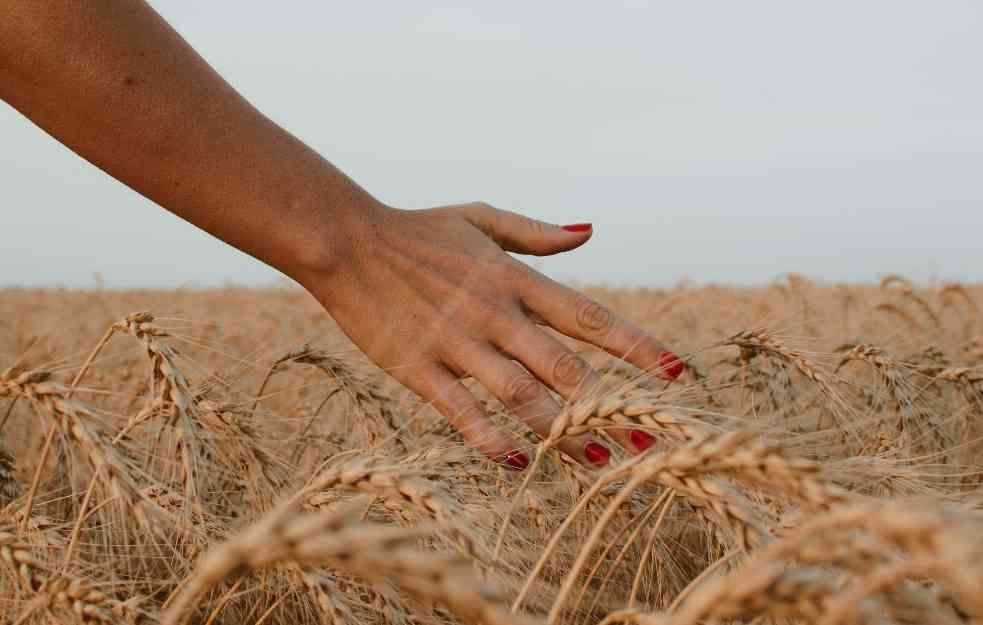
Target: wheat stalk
(78, 422)
(170, 391)
(370, 551)
(393, 482)
(62, 594)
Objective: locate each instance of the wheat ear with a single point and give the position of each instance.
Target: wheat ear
(77, 421)
(598, 413)
(367, 550)
(73, 595)
(9, 486)
(169, 387)
(395, 483)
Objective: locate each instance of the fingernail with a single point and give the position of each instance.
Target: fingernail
(671, 365)
(641, 440)
(517, 460)
(597, 453)
(577, 227)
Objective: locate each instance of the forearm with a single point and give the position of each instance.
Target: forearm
(116, 84)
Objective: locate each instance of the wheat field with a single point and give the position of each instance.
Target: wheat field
(226, 456)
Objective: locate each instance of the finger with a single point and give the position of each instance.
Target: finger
(528, 399)
(578, 316)
(524, 235)
(451, 399)
(563, 371)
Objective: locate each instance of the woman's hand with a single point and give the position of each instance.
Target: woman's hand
(431, 296)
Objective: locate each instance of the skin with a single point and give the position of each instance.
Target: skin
(429, 295)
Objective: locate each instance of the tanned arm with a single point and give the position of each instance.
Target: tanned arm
(116, 84)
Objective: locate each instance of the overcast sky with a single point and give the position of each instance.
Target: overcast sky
(719, 141)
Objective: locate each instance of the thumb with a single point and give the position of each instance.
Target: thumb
(525, 235)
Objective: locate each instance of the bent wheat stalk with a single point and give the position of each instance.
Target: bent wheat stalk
(597, 414)
(77, 421)
(373, 552)
(169, 389)
(64, 593)
(395, 483)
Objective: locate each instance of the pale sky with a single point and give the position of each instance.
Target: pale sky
(717, 141)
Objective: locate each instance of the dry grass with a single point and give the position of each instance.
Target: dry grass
(230, 458)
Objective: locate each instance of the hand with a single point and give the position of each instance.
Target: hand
(431, 296)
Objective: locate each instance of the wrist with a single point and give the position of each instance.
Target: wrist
(329, 248)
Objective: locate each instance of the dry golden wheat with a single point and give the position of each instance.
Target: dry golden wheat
(821, 466)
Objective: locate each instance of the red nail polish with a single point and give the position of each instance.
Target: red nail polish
(671, 365)
(577, 228)
(597, 453)
(641, 440)
(517, 460)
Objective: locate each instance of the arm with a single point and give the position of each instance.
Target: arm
(113, 82)
(429, 295)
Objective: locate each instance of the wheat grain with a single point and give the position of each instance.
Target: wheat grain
(9, 486)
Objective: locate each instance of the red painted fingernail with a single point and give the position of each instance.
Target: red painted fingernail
(597, 453)
(641, 440)
(517, 460)
(671, 365)
(577, 227)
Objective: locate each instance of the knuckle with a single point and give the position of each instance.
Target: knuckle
(472, 210)
(522, 388)
(489, 314)
(570, 369)
(482, 208)
(510, 272)
(465, 413)
(502, 267)
(537, 227)
(594, 317)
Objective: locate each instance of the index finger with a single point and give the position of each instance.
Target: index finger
(580, 317)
